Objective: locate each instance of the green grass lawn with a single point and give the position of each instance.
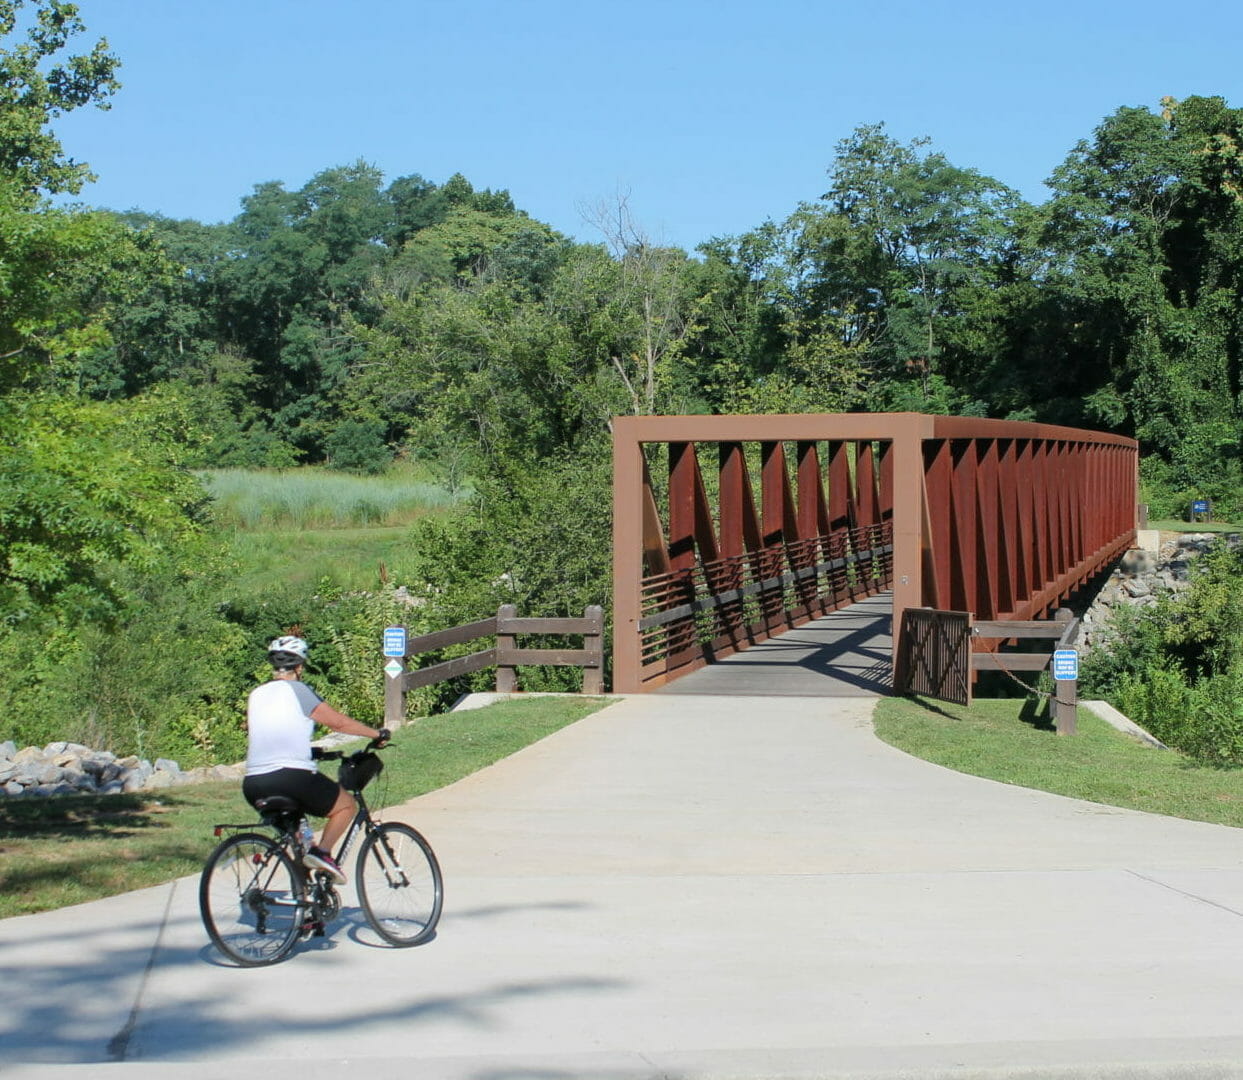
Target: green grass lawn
(1002, 740)
(69, 849)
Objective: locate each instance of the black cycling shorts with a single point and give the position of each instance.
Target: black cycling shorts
(316, 793)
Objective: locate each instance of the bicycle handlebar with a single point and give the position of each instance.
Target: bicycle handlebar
(318, 753)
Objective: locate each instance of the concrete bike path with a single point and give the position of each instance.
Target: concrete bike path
(687, 888)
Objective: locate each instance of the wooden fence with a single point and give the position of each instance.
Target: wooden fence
(505, 654)
(941, 649)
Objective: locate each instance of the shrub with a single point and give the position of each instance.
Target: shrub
(1214, 729)
(163, 678)
(1176, 667)
(358, 446)
(537, 538)
(1157, 699)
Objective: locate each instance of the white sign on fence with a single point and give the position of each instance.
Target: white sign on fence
(395, 641)
(1066, 664)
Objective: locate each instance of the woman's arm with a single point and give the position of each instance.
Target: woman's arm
(325, 714)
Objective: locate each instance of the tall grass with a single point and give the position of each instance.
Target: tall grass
(318, 498)
(365, 558)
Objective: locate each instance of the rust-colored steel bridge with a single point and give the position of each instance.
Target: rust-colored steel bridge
(1001, 519)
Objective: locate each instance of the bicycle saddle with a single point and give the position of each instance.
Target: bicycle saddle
(277, 804)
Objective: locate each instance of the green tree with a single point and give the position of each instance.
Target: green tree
(905, 234)
(84, 487)
(64, 275)
(1142, 243)
(38, 83)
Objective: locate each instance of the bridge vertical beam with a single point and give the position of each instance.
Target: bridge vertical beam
(907, 451)
(938, 477)
(1009, 552)
(865, 485)
(963, 516)
(987, 595)
(886, 481)
(682, 506)
(628, 545)
(813, 516)
(840, 498)
(1043, 515)
(1025, 556)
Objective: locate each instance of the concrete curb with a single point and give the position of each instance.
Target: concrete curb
(1122, 723)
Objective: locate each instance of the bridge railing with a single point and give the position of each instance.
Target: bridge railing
(722, 605)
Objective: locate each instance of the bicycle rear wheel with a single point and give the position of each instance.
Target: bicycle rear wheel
(250, 897)
(399, 884)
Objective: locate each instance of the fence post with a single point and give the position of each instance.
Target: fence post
(593, 645)
(506, 674)
(1066, 691)
(395, 692)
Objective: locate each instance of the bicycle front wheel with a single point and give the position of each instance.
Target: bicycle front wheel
(250, 897)
(399, 884)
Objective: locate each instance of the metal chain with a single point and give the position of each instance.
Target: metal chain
(1030, 689)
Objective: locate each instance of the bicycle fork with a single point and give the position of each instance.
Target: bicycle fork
(393, 871)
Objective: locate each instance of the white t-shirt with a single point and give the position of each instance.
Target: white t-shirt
(278, 719)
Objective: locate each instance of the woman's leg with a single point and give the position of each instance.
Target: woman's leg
(339, 818)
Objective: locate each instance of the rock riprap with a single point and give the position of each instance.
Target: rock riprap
(66, 768)
(1141, 578)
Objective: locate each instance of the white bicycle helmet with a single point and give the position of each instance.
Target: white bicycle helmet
(290, 645)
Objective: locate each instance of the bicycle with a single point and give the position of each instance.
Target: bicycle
(257, 900)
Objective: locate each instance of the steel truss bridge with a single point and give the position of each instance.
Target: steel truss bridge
(729, 530)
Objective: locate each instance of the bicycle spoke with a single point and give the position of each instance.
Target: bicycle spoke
(399, 884)
(250, 897)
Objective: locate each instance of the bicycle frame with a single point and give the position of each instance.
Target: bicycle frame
(363, 820)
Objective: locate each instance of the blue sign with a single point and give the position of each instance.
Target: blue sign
(395, 641)
(1200, 506)
(1066, 664)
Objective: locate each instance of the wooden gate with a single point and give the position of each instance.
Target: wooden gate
(935, 655)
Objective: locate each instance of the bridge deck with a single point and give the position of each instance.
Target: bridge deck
(848, 653)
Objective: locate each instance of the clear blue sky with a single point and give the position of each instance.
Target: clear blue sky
(713, 115)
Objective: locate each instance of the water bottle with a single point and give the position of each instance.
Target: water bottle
(307, 835)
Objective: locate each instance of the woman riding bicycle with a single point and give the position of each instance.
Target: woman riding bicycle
(280, 718)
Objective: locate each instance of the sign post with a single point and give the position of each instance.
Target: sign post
(1066, 689)
(395, 676)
